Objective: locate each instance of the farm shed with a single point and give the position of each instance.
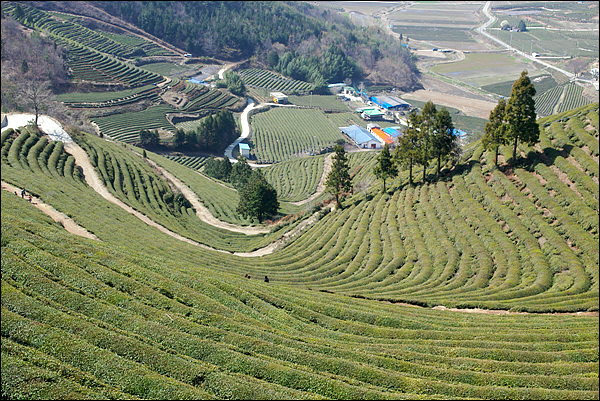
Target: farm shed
(361, 137)
(245, 150)
(372, 114)
(279, 97)
(384, 138)
(361, 109)
(390, 102)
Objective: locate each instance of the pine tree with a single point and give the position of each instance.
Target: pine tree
(408, 145)
(495, 129)
(257, 197)
(240, 173)
(520, 114)
(385, 168)
(179, 139)
(338, 179)
(442, 138)
(426, 127)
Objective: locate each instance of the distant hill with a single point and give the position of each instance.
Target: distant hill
(238, 30)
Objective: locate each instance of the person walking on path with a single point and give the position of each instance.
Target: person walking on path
(23, 193)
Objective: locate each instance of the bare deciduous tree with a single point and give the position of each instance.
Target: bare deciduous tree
(37, 94)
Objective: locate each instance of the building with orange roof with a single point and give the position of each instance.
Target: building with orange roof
(384, 137)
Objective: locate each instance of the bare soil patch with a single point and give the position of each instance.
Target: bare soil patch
(175, 99)
(468, 105)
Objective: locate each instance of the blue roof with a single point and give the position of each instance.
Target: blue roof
(244, 146)
(392, 132)
(359, 134)
(458, 132)
(389, 102)
(196, 81)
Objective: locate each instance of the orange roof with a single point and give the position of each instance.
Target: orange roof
(380, 133)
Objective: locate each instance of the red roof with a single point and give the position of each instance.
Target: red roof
(385, 137)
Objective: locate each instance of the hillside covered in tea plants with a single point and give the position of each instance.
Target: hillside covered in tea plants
(357, 303)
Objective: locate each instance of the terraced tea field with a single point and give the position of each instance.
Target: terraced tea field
(282, 134)
(295, 180)
(267, 79)
(126, 127)
(483, 284)
(139, 314)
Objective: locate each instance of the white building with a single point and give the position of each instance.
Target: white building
(245, 150)
(279, 97)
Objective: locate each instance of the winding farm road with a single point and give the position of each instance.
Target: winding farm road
(245, 129)
(55, 131)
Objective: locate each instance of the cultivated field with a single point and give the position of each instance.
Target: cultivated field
(295, 180)
(484, 69)
(271, 80)
(284, 133)
(138, 314)
(479, 284)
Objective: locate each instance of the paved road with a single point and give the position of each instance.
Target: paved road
(246, 125)
(46, 124)
(245, 129)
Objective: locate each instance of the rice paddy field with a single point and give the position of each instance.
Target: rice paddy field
(457, 15)
(479, 69)
(360, 304)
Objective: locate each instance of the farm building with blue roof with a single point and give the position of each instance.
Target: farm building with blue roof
(362, 137)
(245, 150)
(390, 102)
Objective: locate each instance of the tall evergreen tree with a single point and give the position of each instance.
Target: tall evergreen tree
(442, 137)
(385, 167)
(257, 197)
(426, 127)
(179, 139)
(240, 173)
(338, 179)
(408, 145)
(218, 168)
(520, 114)
(149, 138)
(495, 130)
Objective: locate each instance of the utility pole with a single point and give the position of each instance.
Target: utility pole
(310, 99)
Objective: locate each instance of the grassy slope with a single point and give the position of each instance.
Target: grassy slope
(140, 314)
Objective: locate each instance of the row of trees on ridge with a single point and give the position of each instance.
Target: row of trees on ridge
(428, 136)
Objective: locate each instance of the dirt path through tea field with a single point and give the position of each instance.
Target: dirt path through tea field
(69, 224)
